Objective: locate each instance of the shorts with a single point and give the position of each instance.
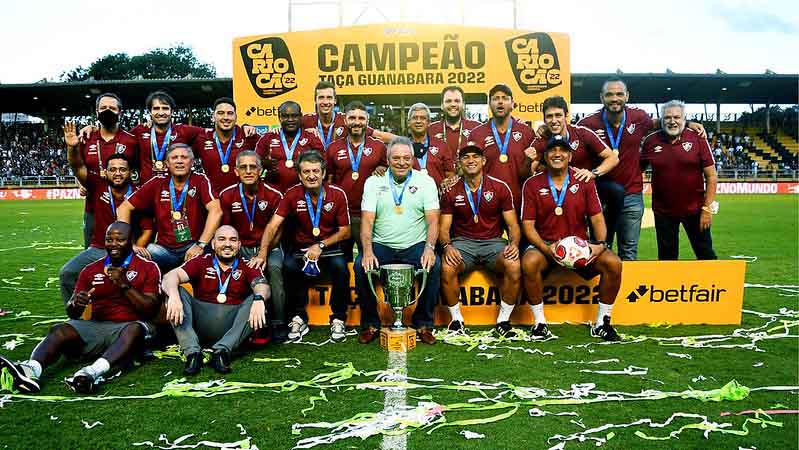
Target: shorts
(586, 273)
(99, 335)
(480, 253)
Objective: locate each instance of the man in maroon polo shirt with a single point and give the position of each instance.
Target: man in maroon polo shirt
(555, 205)
(431, 155)
(454, 128)
(185, 210)
(506, 142)
(217, 147)
(248, 206)
(474, 214)
(329, 124)
(350, 161)
(104, 195)
(282, 148)
(591, 158)
(227, 303)
(322, 218)
(122, 289)
(682, 165)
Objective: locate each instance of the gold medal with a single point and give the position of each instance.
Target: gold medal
(221, 298)
(159, 165)
(225, 168)
(476, 219)
(503, 158)
(103, 173)
(355, 176)
(289, 163)
(398, 209)
(558, 211)
(176, 215)
(316, 231)
(107, 269)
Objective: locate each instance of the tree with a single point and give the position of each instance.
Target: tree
(161, 63)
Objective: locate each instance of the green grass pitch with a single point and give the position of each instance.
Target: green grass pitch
(761, 226)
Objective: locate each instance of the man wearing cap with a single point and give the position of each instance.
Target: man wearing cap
(321, 217)
(431, 154)
(226, 304)
(400, 224)
(122, 289)
(555, 205)
(474, 214)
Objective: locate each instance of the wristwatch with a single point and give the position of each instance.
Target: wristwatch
(595, 173)
(201, 244)
(258, 298)
(430, 246)
(321, 245)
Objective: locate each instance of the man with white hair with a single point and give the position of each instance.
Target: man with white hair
(683, 184)
(431, 155)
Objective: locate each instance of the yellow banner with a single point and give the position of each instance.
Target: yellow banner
(397, 59)
(652, 292)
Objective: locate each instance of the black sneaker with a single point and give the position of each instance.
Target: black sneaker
(194, 362)
(220, 361)
(505, 330)
(83, 382)
(456, 326)
(606, 331)
(22, 381)
(540, 332)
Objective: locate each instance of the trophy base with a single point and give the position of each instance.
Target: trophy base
(402, 340)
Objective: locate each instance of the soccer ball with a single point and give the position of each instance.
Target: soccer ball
(572, 252)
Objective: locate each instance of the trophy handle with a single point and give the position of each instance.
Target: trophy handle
(369, 274)
(424, 283)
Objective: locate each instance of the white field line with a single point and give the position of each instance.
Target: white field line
(395, 398)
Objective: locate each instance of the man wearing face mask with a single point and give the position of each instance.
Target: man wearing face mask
(104, 195)
(98, 145)
(282, 148)
(228, 302)
(431, 155)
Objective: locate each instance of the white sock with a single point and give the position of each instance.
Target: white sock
(604, 310)
(34, 366)
(504, 312)
(538, 313)
(455, 312)
(100, 367)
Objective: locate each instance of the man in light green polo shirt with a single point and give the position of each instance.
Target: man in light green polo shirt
(399, 224)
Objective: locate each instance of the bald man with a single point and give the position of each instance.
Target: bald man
(123, 291)
(228, 302)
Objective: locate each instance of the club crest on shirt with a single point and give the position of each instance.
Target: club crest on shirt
(488, 195)
(543, 192)
(687, 146)
(236, 274)
(328, 206)
(131, 275)
(434, 150)
(339, 131)
(574, 188)
(120, 148)
(658, 149)
(262, 205)
(412, 189)
(192, 192)
(517, 136)
(466, 133)
(574, 144)
(303, 141)
(367, 151)
(631, 128)
(239, 144)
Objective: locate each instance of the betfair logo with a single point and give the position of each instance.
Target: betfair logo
(686, 294)
(534, 62)
(269, 67)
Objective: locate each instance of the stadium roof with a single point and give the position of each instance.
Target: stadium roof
(78, 98)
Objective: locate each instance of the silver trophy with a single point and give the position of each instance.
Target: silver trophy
(397, 287)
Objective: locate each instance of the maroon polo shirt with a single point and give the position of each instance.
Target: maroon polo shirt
(205, 284)
(108, 301)
(271, 146)
(454, 136)
(204, 147)
(339, 168)
(496, 199)
(678, 181)
(585, 144)
(637, 125)
(511, 171)
(104, 213)
(335, 213)
(580, 203)
(181, 134)
(267, 199)
(311, 120)
(438, 160)
(155, 199)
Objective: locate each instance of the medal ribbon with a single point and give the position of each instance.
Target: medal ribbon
(158, 152)
(555, 196)
(614, 140)
(177, 204)
(125, 263)
(289, 151)
(475, 209)
(423, 161)
(398, 198)
(326, 140)
(355, 161)
(111, 199)
(250, 216)
(224, 158)
(223, 287)
(315, 217)
(503, 146)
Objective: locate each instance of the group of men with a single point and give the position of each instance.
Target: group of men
(271, 214)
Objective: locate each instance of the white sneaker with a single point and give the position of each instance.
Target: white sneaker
(297, 329)
(338, 331)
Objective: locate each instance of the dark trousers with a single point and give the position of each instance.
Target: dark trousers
(423, 316)
(668, 237)
(296, 284)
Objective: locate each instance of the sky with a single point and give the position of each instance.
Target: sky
(41, 39)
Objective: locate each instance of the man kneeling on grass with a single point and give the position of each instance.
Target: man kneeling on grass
(227, 305)
(122, 289)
